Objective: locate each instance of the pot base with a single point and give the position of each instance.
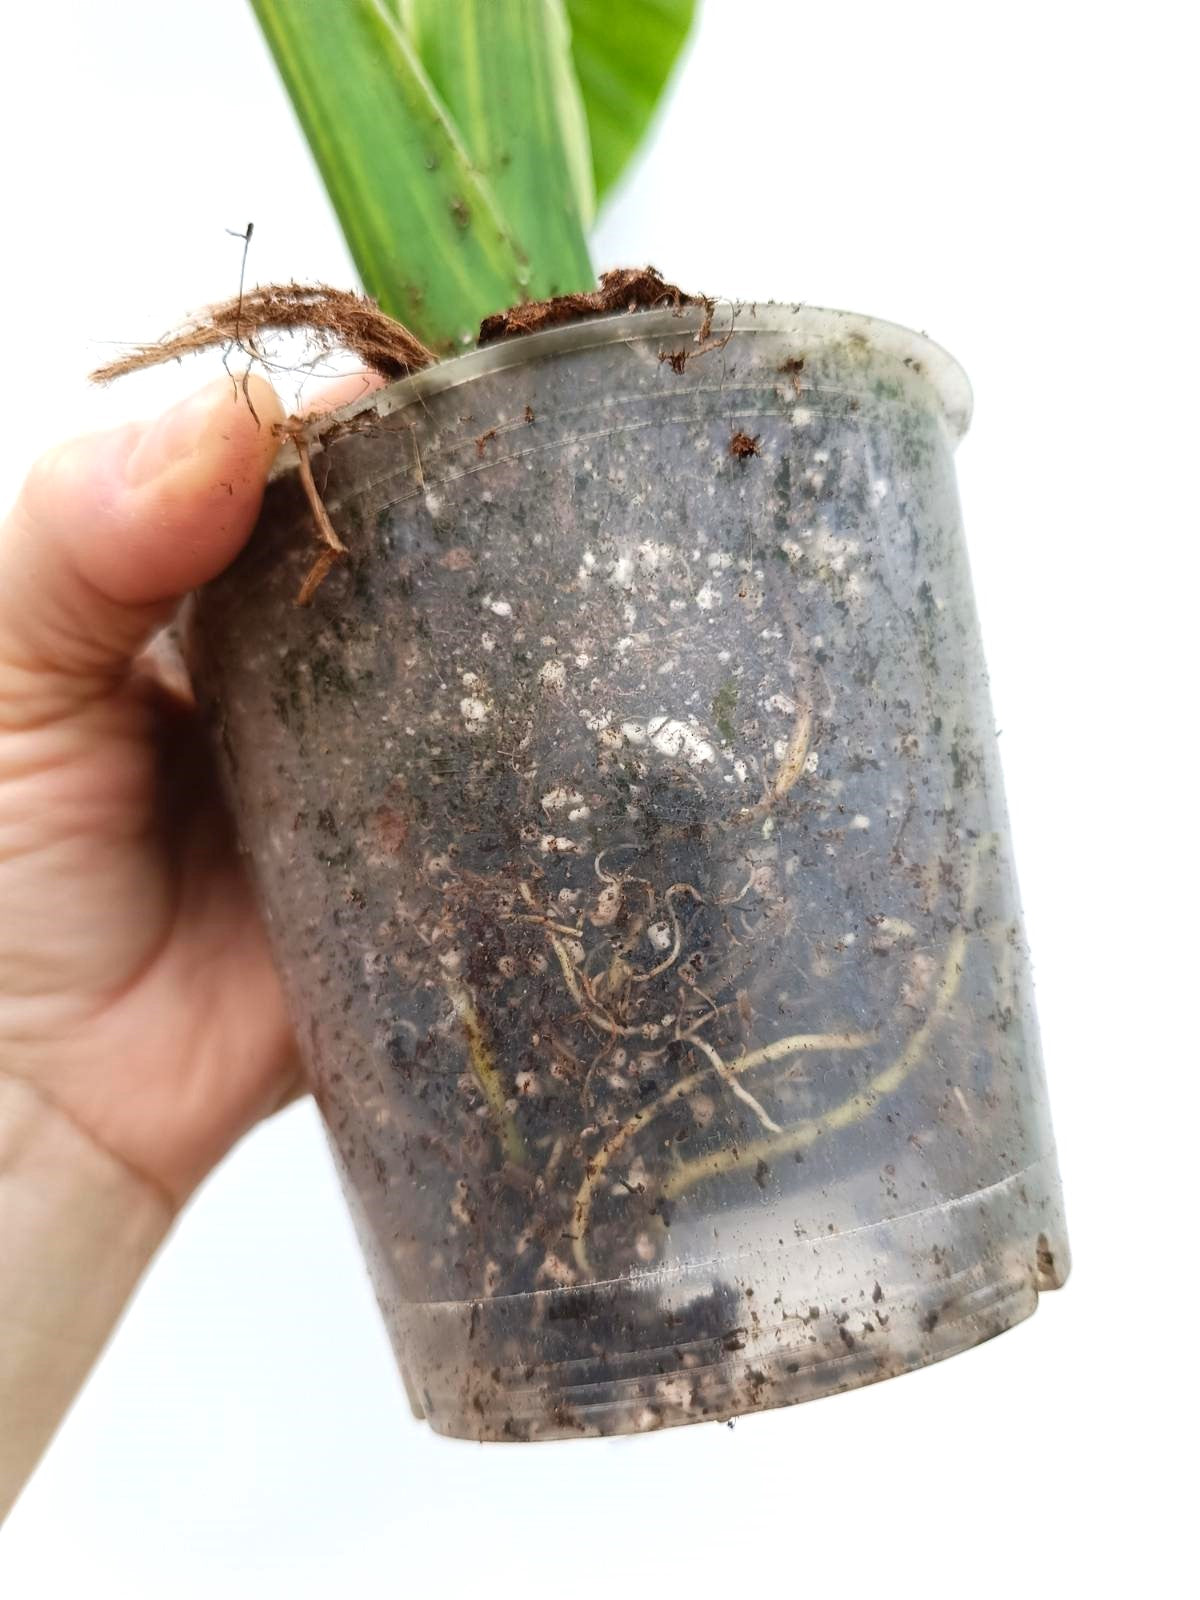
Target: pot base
(741, 1334)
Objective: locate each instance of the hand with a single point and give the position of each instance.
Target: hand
(137, 993)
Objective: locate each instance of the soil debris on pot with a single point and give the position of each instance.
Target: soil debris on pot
(623, 289)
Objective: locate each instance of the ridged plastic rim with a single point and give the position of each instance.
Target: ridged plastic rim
(813, 327)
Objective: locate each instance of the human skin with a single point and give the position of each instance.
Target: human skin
(142, 1027)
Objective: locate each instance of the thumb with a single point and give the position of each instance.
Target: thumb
(111, 530)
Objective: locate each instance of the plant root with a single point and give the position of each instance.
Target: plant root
(790, 768)
(334, 550)
(796, 1044)
(726, 1074)
(676, 935)
(487, 1074)
(856, 1106)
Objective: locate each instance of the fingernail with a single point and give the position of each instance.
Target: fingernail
(177, 434)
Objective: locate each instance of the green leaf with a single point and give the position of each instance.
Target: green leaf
(624, 51)
(426, 233)
(503, 70)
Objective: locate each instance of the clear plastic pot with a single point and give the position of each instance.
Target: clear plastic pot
(628, 820)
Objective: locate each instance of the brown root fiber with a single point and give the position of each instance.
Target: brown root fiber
(340, 319)
(334, 318)
(626, 289)
(333, 549)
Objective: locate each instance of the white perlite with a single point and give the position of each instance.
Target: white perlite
(674, 738)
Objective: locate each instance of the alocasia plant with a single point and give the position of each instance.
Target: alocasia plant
(464, 143)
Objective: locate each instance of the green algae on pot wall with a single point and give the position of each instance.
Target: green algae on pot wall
(628, 820)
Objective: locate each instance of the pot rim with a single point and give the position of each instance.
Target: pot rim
(814, 326)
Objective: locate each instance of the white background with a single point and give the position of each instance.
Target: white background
(1019, 180)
